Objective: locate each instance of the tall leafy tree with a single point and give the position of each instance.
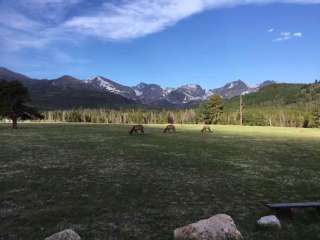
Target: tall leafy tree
(13, 99)
(170, 118)
(210, 111)
(316, 118)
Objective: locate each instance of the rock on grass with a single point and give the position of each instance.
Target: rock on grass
(269, 222)
(8, 209)
(65, 235)
(218, 227)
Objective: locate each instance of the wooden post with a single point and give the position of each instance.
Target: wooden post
(14, 117)
(241, 110)
(14, 122)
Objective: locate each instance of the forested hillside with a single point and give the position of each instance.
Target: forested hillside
(286, 105)
(103, 100)
(296, 96)
(293, 105)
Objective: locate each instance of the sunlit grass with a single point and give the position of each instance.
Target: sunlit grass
(106, 184)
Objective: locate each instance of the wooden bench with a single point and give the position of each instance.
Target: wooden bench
(286, 208)
(137, 129)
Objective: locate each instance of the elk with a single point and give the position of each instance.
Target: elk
(137, 129)
(206, 129)
(170, 128)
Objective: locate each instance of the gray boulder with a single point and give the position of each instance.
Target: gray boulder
(67, 234)
(8, 209)
(269, 222)
(218, 227)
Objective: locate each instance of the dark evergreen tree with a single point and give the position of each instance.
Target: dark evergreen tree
(13, 99)
(210, 111)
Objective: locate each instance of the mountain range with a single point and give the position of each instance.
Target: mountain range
(69, 92)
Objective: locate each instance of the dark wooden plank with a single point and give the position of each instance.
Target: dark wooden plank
(294, 205)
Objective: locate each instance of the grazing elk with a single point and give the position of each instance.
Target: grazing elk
(137, 129)
(170, 128)
(206, 129)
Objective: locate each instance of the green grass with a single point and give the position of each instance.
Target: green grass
(106, 184)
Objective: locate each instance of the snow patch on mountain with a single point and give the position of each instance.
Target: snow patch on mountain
(138, 93)
(107, 85)
(150, 93)
(168, 90)
(190, 86)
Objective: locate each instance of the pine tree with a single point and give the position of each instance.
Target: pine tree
(210, 111)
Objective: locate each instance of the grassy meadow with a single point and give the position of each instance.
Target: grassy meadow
(108, 185)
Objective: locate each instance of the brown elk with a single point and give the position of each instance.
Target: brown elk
(170, 128)
(137, 129)
(206, 129)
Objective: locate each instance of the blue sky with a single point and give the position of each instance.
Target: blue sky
(168, 42)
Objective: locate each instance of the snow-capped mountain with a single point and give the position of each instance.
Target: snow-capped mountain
(66, 92)
(154, 94)
(149, 93)
(237, 88)
(94, 91)
(233, 89)
(186, 94)
(113, 87)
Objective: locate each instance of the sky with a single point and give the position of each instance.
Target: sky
(167, 42)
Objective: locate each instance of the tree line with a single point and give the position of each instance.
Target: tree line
(15, 99)
(205, 114)
(125, 116)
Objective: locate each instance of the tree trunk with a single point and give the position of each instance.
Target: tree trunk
(241, 111)
(14, 122)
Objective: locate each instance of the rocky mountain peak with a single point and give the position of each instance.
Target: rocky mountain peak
(150, 94)
(267, 83)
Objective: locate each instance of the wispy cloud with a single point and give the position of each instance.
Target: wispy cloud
(38, 23)
(134, 18)
(29, 24)
(137, 18)
(285, 36)
(298, 34)
(271, 30)
(48, 2)
(45, 11)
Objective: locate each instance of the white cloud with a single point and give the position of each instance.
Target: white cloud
(21, 27)
(15, 20)
(284, 36)
(49, 11)
(280, 39)
(271, 30)
(134, 19)
(46, 3)
(37, 23)
(137, 18)
(298, 34)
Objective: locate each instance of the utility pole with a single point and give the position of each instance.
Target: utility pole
(241, 110)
